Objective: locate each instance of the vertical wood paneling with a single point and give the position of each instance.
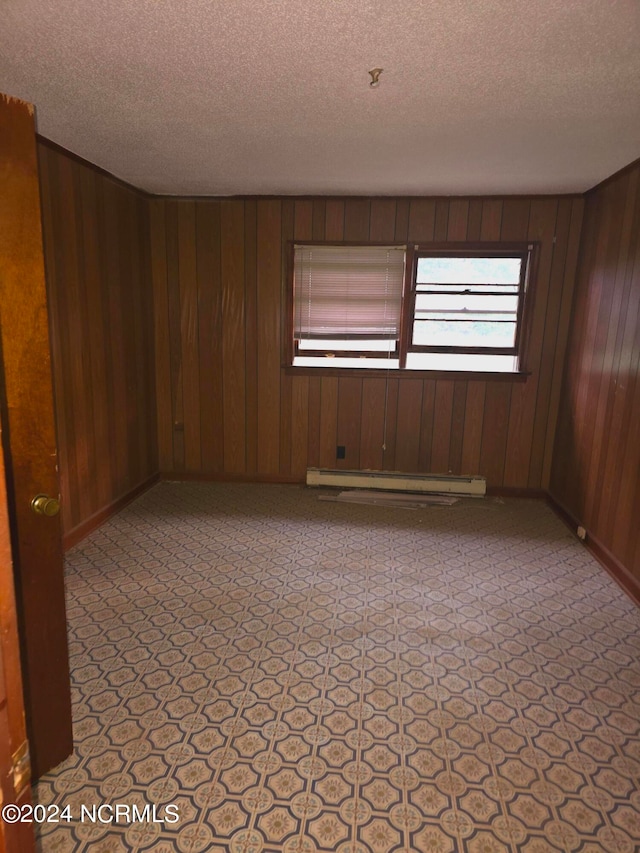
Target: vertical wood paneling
(233, 335)
(474, 220)
(210, 336)
(313, 437)
(402, 220)
(189, 333)
(494, 431)
(100, 273)
(372, 423)
(117, 357)
(458, 219)
(515, 219)
(422, 217)
(128, 272)
(269, 313)
(540, 216)
(442, 220)
(159, 277)
(564, 320)
(596, 463)
(602, 367)
(328, 422)
(357, 214)
(334, 220)
(426, 426)
(224, 405)
(349, 419)
(75, 320)
(318, 219)
(441, 441)
(305, 423)
(472, 430)
(287, 423)
(175, 342)
(300, 412)
(383, 220)
(498, 428)
(407, 420)
(626, 380)
(390, 436)
(457, 426)
(251, 334)
(67, 221)
(139, 348)
(591, 345)
(49, 197)
(491, 219)
(303, 221)
(550, 332)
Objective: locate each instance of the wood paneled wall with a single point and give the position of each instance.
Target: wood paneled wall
(596, 465)
(227, 408)
(101, 307)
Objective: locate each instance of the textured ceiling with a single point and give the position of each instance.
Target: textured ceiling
(221, 97)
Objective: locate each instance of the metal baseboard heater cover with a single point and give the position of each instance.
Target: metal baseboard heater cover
(398, 482)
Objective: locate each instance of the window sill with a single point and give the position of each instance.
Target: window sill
(377, 373)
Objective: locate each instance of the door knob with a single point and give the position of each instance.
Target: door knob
(44, 505)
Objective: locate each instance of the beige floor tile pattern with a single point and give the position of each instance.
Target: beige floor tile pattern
(301, 676)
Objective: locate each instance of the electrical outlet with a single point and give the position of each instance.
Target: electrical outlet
(341, 451)
(582, 533)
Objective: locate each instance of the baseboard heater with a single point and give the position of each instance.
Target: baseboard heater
(398, 482)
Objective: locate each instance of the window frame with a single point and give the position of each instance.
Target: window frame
(524, 251)
(528, 251)
(292, 347)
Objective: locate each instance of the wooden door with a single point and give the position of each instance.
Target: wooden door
(30, 443)
(14, 765)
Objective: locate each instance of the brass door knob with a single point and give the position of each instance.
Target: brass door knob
(44, 505)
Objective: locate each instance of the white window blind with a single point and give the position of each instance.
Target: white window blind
(348, 292)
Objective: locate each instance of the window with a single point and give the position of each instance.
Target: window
(439, 308)
(467, 309)
(347, 303)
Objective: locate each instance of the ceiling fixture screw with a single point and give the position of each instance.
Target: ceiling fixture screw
(375, 77)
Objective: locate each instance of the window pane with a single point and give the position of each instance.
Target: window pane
(440, 333)
(426, 302)
(469, 270)
(464, 287)
(467, 302)
(345, 361)
(467, 316)
(461, 361)
(350, 345)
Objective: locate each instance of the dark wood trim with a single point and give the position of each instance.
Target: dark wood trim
(515, 492)
(393, 244)
(621, 575)
(526, 302)
(473, 248)
(407, 305)
(97, 519)
(614, 177)
(89, 165)
(288, 345)
(220, 477)
(399, 373)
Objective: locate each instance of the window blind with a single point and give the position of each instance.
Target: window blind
(348, 291)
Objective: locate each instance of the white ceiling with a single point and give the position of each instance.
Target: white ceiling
(223, 97)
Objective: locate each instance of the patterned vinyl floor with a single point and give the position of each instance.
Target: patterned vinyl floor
(298, 676)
